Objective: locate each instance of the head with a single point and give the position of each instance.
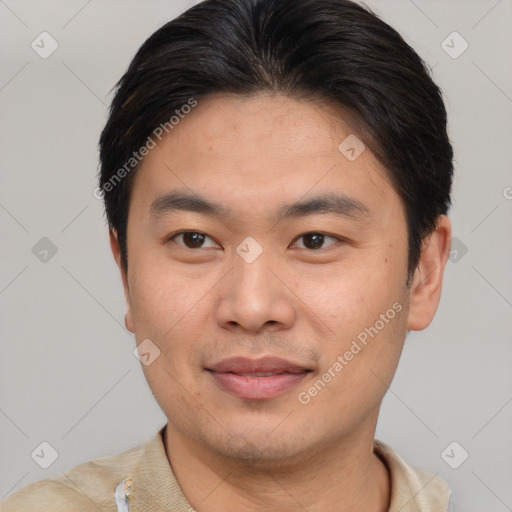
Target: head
(276, 177)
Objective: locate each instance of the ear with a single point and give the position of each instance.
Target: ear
(116, 252)
(428, 277)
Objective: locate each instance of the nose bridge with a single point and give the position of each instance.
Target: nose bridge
(252, 274)
(254, 295)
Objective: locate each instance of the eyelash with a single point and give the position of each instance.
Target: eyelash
(171, 238)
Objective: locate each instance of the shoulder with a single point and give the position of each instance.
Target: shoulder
(87, 487)
(413, 489)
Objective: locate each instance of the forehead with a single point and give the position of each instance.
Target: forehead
(260, 150)
(276, 123)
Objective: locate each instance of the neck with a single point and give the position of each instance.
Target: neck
(345, 477)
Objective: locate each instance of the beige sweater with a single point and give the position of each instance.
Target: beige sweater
(90, 487)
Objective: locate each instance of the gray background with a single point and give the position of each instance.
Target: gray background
(68, 375)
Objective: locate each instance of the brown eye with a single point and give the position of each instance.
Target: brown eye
(315, 241)
(191, 239)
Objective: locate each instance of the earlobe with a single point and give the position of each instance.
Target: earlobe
(116, 252)
(128, 321)
(428, 277)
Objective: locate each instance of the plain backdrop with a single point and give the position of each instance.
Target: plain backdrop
(68, 375)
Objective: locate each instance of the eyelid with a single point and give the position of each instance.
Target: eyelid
(334, 237)
(172, 236)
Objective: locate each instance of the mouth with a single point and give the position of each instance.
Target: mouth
(260, 379)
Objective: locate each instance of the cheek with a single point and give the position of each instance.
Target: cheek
(163, 298)
(350, 297)
(170, 309)
(166, 309)
(360, 359)
(365, 309)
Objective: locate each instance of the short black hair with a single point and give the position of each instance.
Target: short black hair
(336, 51)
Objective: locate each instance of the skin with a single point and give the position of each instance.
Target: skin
(203, 304)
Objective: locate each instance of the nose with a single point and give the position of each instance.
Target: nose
(256, 296)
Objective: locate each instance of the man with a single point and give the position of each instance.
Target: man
(276, 177)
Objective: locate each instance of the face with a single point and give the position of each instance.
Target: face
(248, 273)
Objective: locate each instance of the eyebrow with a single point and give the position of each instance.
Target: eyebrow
(328, 203)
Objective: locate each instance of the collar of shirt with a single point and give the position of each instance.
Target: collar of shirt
(156, 488)
(94, 485)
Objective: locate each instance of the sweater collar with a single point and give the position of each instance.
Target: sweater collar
(155, 487)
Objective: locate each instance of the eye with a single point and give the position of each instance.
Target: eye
(315, 240)
(191, 239)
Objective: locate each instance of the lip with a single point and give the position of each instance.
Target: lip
(239, 376)
(264, 364)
